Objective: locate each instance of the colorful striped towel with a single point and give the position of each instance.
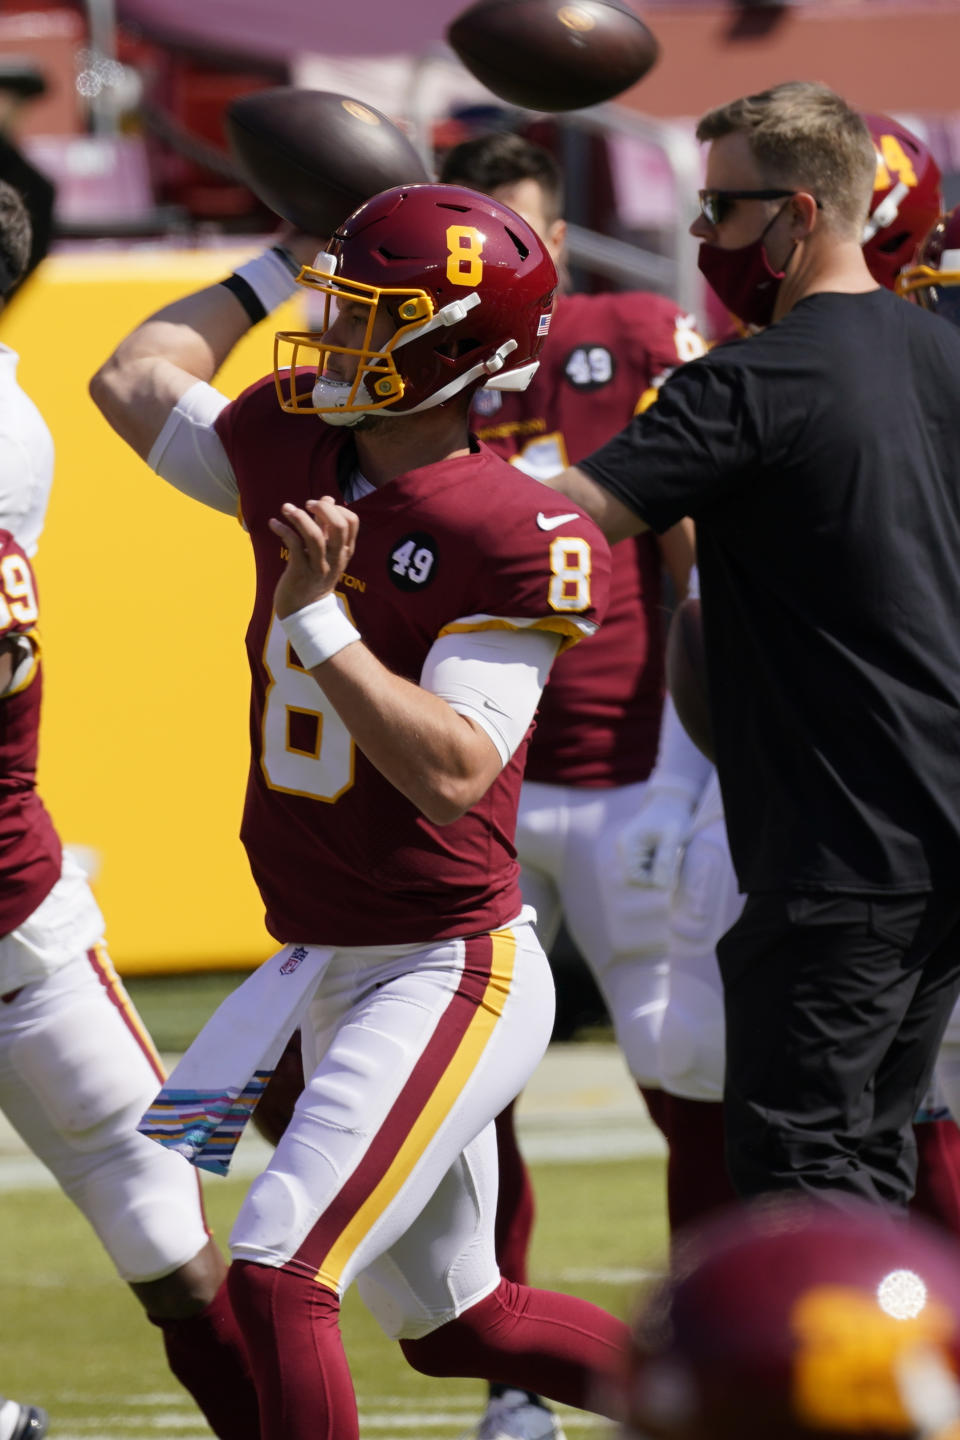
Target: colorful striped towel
(212, 1092)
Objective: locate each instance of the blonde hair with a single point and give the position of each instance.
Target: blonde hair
(805, 137)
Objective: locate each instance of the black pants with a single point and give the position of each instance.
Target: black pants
(835, 1008)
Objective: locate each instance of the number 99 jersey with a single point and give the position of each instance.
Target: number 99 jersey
(461, 546)
(30, 854)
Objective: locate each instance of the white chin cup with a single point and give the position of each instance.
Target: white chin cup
(330, 395)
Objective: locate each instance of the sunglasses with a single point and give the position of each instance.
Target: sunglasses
(715, 205)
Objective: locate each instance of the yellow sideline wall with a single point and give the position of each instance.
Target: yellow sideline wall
(144, 599)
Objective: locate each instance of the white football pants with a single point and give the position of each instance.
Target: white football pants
(77, 1070)
(706, 903)
(388, 1170)
(571, 870)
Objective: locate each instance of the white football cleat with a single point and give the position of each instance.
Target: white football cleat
(512, 1416)
(22, 1422)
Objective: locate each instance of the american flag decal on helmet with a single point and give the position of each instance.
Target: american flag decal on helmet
(544, 324)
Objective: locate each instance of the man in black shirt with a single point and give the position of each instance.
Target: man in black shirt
(821, 462)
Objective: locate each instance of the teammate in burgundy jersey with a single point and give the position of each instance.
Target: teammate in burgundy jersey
(598, 721)
(412, 593)
(76, 1064)
(30, 854)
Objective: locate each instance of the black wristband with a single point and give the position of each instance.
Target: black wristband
(247, 296)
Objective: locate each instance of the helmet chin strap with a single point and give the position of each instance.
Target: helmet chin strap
(489, 367)
(484, 369)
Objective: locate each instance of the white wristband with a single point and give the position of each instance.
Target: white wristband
(270, 279)
(318, 631)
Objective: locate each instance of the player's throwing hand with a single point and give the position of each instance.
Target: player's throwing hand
(320, 541)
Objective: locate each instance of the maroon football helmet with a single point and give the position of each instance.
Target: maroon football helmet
(789, 1320)
(467, 283)
(906, 198)
(933, 280)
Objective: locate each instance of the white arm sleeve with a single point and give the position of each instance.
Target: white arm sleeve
(188, 453)
(494, 677)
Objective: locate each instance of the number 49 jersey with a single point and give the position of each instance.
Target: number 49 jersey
(464, 545)
(30, 855)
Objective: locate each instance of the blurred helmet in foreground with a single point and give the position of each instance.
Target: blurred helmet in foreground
(794, 1321)
(933, 280)
(906, 198)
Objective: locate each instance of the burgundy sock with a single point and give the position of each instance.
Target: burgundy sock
(658, 1104)
(937, 1196)
(515, 1204)
(207, 1355)
(697, 1179)
(555, 1345)
(291, 1326)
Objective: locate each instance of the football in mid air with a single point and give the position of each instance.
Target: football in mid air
(312, 156)
(553, 54)
(687, 674)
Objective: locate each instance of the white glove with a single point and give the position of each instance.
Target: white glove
(651, 843)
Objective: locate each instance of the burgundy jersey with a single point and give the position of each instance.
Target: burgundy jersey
(29, 846)
(340, 856)
(599, 718)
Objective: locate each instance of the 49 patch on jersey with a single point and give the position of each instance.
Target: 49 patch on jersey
(589, 367)
(413, 561)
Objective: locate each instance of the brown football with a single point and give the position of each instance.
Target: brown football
(687, 674)
(554, 54)
(313, 156)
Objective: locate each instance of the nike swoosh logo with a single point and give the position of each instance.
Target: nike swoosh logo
(550, 522)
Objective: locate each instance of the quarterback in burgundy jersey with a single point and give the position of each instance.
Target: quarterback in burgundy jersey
(412, 593)
(458, 548)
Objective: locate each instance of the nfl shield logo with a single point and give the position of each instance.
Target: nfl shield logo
(487, 402)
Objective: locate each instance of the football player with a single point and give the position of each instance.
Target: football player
(412, 593)
(706, 902)
(598, 720)
(791, 1321)
(76, 1064)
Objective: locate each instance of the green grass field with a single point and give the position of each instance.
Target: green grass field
(73, 1339)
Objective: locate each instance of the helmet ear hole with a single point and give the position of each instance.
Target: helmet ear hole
(457, 349)
(890, 244)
